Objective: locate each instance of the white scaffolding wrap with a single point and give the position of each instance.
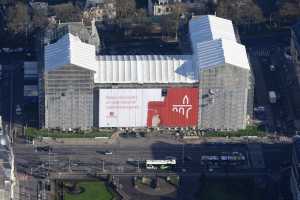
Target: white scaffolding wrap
(218, 52)
(209, 27)
(70, 50)
(146, 69)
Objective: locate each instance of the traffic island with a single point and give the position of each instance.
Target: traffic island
(157, 186)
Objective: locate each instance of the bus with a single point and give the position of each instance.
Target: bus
(160, 164)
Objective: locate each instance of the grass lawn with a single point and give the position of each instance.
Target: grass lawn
(230, 189)
(92, 191)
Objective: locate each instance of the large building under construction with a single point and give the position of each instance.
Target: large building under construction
(210, 88)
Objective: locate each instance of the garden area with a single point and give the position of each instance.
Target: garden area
(88, 191)
(33, 133)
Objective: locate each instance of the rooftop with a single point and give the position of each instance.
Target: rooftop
(209, 27)
(146, 69)
(213, 40)
(221, 51)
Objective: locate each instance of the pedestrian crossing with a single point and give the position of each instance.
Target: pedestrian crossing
(262, 52)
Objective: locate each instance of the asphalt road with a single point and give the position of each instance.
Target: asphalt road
(75, 162)
(11, 90)
(265, 51)
(129, 158)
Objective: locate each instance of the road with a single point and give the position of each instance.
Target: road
(265, 51)
(92, 156)
(76, 162)
(11, 89)
(129, 154)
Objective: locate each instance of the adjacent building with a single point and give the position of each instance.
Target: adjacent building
(294, 81)
(208, 89)
(100, 10)
(295, 175)
(161, 7)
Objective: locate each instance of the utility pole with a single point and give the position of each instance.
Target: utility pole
(138, 166)
(103, 166)
(70, 165)
(49, 159)
(183, 153)
(11, 104)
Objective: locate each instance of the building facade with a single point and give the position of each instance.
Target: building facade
(295, 176)
(161, 7)
(208, 89)
(100, 10)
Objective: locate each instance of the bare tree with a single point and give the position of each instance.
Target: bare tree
(168, 26)
(140, 16)
(18, 18)
(243, 11)
(39, 19)
(178, 10)
(67, 12)
(125, 8)
(289, 9)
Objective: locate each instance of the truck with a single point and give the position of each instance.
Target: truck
(272, 97)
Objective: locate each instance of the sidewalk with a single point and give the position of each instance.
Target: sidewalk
(116, 140)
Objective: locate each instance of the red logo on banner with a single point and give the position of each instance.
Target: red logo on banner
(179, 109)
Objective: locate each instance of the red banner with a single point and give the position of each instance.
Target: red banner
(179, 109)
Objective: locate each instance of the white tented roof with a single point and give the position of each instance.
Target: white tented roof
(209, 27)
(146, 69)
(69, 50)
(219, 52)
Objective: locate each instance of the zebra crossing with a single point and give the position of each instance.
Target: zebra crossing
(262, 52)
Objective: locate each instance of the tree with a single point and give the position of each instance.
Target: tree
(39, 19)
(18, 18)
(241, 12)
(67, 12)
(289, 9)
(168, 25)
(178, 10)
(140, 16)
(125, 8)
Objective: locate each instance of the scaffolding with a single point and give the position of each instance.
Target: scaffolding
(223, 97)
(69, 98)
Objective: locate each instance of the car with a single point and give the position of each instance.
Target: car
(188, 158)
(43, 148)
(272, 68)
(170, 157)
(107, 152)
